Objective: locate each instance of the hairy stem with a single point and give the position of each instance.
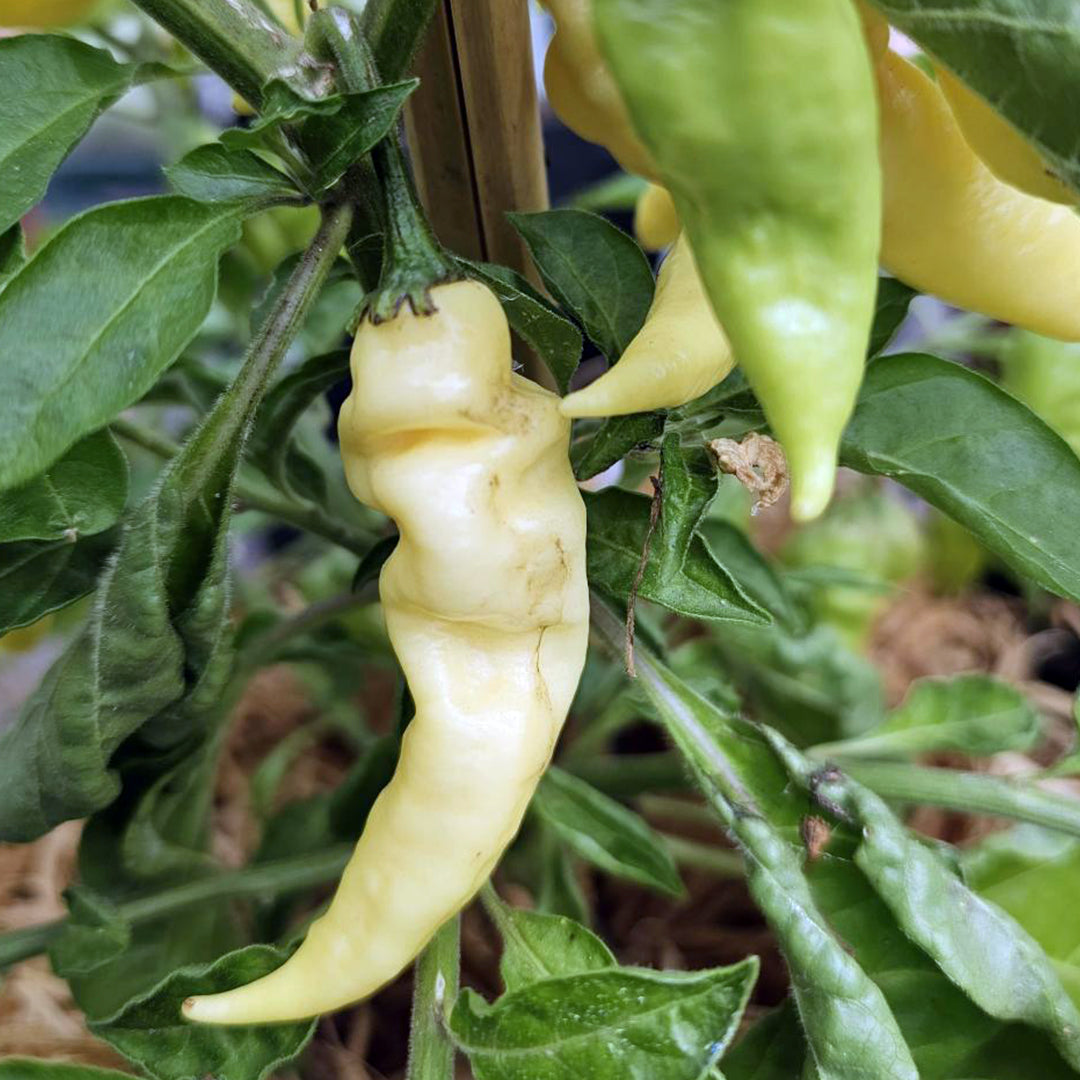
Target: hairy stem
(304, 515)
(241, 43)
(431, 1054)
(394, 29)
(976, 793)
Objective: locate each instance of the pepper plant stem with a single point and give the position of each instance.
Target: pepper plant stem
(413, 260)
(272, 878)
(223, 425)
(949, 788)
(719, 862)
(394, 29)
(243, 45)
(976, 793)
(431, 1054)
(303, 515)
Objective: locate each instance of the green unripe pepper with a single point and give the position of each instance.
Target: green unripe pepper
(871, 537)
(761, 119)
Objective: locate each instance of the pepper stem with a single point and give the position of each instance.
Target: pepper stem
(413, 260)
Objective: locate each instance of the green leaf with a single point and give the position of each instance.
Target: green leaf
(733, 550)
(559, 891)
(53, 88)
(849, 1025)
(538, 946)
(272, 448)
(948, 1035)
(621, 1022)
(93, 934)
(126, 670)
(215, 173)
(688, 482)
(808, 684)
(280, 105)
(1034, 875)
(334, 142)
(1024, 58)
(971, 714)
(594, 270)
(80, 495)
(33, 1069)
(846, 1018)
(977, 945)
(702, 588)
(533, 318)
(149, 1031)
(893, 300)
(39, 576)
(773, 1049)
(963, 444)
(152, 660)
(605, 833)
(613, 440)
(92, 320)
(12, 253)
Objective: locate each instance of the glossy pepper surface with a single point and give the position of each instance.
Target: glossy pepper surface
(679, 353)
(952, 228)
(486, 604)
(581, 90)
(1008, 155)
(45, 14)
(761, 119)
(656, 221)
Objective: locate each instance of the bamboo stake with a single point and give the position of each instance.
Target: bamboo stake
(494, 50)
(474, 133)
(435, 127)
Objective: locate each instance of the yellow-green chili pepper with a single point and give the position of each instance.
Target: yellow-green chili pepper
(581, 90)
(486, 604)
(761, 119)
(45, 14)
(876, 538)
(679, 353)
(952, 228)
(1006, 152)
(656, 221)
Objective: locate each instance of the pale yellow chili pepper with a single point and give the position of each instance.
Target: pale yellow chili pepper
(486, 604)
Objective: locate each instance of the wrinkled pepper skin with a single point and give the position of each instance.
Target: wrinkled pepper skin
(581, 90)
(952, 228)
(761, 118)
(656, 221)
(45, 14)
(486, 604)
(679, 353)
